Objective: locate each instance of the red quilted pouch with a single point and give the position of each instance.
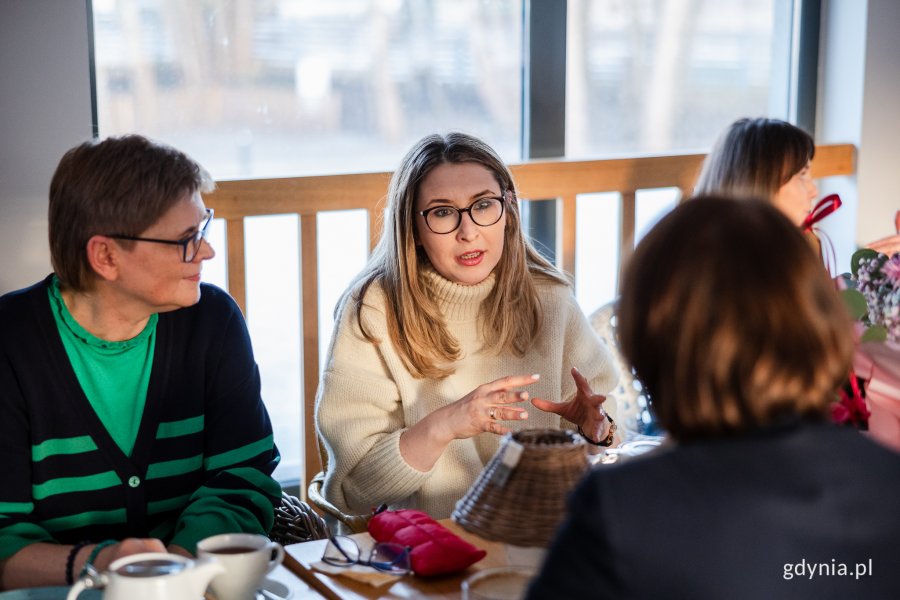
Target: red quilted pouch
(435, 549)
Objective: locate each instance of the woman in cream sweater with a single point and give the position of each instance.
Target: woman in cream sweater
(453, 326)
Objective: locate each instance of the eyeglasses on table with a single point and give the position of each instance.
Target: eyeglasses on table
(387, 557)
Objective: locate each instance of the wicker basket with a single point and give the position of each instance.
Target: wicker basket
(520, 496)
(296, 521)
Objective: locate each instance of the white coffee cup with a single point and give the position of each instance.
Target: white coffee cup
(247, 558)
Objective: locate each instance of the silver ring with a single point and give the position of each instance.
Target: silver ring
(491, 412)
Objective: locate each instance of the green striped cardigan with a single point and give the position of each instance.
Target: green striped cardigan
(204, 453)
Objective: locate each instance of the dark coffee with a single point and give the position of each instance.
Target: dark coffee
(233, 550)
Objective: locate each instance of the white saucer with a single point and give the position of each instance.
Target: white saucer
(276, 589)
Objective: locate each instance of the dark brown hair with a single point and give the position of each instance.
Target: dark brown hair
(753, 158)
(730, 321)
(120, 185)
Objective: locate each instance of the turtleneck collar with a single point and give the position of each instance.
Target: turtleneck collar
(457, 302)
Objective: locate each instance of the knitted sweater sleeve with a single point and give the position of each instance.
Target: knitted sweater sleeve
(360, 417)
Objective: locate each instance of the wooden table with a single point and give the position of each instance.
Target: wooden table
(299, 557)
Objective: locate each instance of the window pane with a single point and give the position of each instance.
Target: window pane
(597, 249)
(295, 87)
(343, 249)
(215, 271)
(664, 75)
(597, 238)
(650, 207)
(273, 318)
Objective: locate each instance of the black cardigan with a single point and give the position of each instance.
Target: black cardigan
(204, 453)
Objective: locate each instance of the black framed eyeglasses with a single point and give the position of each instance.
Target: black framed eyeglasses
(190, 245)
(387, 557)
(446, 219)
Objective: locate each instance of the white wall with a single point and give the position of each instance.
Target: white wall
(859, 90)
(45, 109)
(879, 147)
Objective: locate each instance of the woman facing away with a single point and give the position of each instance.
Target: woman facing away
(769, 159)
(455, 322)
(740, 339)
(130, 410)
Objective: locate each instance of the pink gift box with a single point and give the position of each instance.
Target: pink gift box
(879, 365)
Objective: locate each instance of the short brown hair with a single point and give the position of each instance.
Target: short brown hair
(120, 185)
(730, 321)
(753, 158)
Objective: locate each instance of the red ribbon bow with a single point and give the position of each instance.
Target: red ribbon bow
(825, 207)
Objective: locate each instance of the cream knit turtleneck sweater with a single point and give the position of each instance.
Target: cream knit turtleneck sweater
(367, 398)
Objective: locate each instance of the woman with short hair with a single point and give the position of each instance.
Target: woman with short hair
(740, 340)
(130, 409)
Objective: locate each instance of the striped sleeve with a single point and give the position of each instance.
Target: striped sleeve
(16, 504)
(238, 493)
(238, 496)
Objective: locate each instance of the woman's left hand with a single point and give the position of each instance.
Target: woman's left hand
(585, 409)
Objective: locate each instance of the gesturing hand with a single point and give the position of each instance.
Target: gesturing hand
(488, 405)
(585, 409)
(483, 409)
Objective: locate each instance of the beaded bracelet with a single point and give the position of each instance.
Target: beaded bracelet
(94, 554)
(605, 442)
(70, 561)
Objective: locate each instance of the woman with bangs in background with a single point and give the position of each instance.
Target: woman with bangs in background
(769, 159)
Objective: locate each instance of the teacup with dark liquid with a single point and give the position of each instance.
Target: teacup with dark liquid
(247, 558)
(233, 550)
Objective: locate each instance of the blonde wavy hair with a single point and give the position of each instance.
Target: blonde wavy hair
(511, 314)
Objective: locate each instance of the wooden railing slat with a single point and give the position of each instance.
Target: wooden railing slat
(237, 270)
(568, 233)
(299, 195)
(626, 230)
(310, 318)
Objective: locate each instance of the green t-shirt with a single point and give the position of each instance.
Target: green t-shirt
(113, 375)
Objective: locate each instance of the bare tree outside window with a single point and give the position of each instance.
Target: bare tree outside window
(662, 76)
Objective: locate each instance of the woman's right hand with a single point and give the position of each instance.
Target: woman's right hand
(481, 410)
(126, 547)
(486, 407)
